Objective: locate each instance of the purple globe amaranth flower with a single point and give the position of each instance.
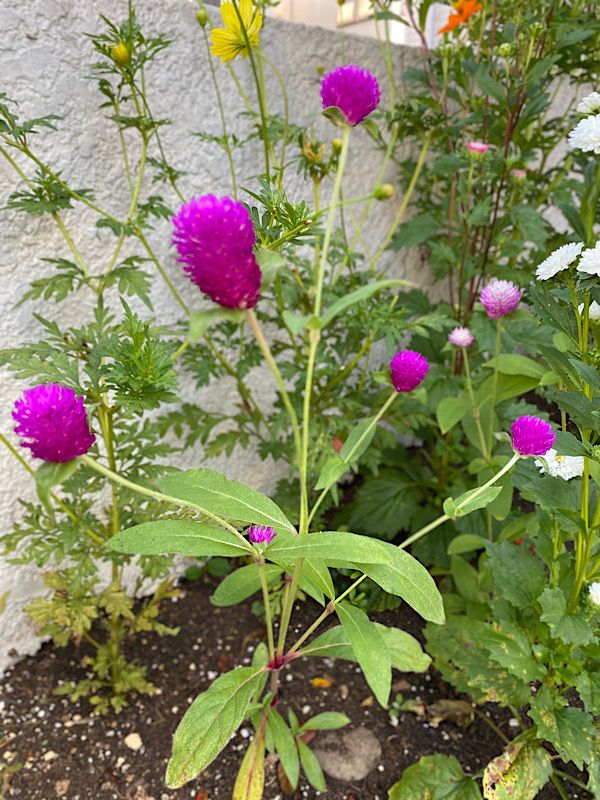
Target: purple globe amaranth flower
(214, 237)
(500, 298)
(532, 436)
(53, 422)
(408, 370)
(353, 90)
(477, 147)
(461, 337)
(261, 534)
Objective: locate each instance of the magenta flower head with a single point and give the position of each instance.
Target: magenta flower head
(353, 90)
(261, 534)
(408, 370)
(461, 337)
(500, 298)
(215, 239)
(532, 436)
(52, 421)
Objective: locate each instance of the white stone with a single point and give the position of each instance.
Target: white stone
(133, 741)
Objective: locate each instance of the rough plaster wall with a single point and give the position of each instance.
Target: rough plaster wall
(44, 59)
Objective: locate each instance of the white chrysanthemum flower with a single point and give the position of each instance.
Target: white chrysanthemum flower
(565, 467)
(590, 260)
(594, 310)
(586, 135)
(558, 260)
(590, 104)
(595, 593)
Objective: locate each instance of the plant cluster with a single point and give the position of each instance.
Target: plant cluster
(508, 523)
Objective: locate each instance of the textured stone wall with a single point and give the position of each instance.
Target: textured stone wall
(44, 61)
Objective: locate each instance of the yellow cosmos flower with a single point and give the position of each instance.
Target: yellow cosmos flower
(229, 42)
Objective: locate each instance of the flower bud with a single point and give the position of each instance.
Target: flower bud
(384, 192)
(120, 54)
(336, 146)
(505, 50)
(202, 17)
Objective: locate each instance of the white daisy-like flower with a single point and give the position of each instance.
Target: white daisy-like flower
(558, 260)
(590, 104)
(594, 310)
(565, 467)
(595, 593)
(586, 135)
(590, 260)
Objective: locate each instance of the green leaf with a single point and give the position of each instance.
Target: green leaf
(393, 569)
(405, 651)
(514, 364)
(312, 768)
(355, 297)
(570, 628)
(285, 745)
(568, 445)
(518, 575)
(466, 543)
(470, 501)
(418, 230)
(241, 584)
(218, 495)
(511, 647)
(520, 772)
(185, 537)
(295, 323)
(327, 721)
(488, 84)
(588, 688)
(359, 438)
(436, 776)
(50, 475)
(270, 262)
(450, 411)
(569, 730)
(201, 321)
(371, 653)
(208, 724)
(250, 780)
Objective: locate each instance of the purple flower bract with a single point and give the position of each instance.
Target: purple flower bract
(353, 90)
(408, 370)
(259, 534)
(532, 436)
(53, 423)
(461, 337)
(500, 298)
(215, 239)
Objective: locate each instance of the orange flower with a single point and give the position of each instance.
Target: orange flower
(463, 9)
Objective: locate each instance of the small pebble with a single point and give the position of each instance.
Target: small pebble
(133, 741)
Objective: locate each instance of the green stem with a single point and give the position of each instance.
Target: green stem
(267, 604)
(494, 384)
(474, 407)
(163, 274)
(405, 201)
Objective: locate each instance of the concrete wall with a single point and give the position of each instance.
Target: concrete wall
(44, 60)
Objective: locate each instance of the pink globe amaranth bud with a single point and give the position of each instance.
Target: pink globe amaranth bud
(214, 238)
(477, 147)
(52, 421)
(518, 174)
(261, 534)
(532, 436)
(461, 337)
(408, 369)
(500, 298)
(353, 90)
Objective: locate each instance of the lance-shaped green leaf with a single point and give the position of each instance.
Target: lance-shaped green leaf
(358, 440)
(185, 537)
(285, 745)
(520, 772)
(243, 583)
(406, 653)
(355, 297)
(201, 321)
(50, 475)
(312, 768)
(250, 781)
(393, 569)
(208, 724)
(470, 501)
(450, 411)
(219, 495)
(327, 721)
(371, 653)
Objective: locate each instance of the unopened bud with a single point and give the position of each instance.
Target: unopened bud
(505, 49)
(336, 146)
(384, 192)
(120, 54)
(202, 17)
